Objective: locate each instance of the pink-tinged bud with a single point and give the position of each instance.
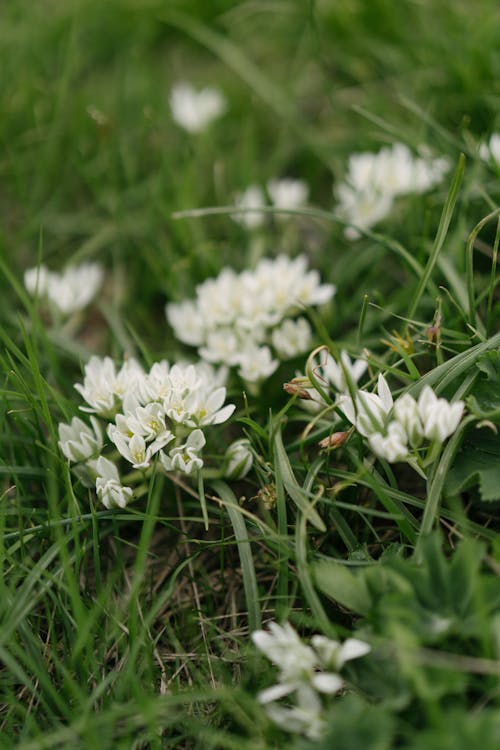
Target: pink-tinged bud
(335, 440)
(294, 388)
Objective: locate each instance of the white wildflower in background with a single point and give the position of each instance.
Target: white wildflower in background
(241, 318)
(252, 199)
(156, 417)
(36, 281)
(490, 151)
(67, 292)
(194, 110)
(292, 337)
(256, 364)
(304, 675)
(287, 194)
(375, 180)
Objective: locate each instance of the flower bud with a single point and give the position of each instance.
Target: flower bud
(238, 459)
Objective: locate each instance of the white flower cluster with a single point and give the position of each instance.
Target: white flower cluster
(306, 672)
(160, 414)
(194, 110)
(285, 194)
(236, 318)
(66, 292)
(491, 151)
(374, 181)
(397, 429)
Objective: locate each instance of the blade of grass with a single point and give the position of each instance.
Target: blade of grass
(298, 495)
(245, 553)
(440, 235)
(437, 479)
(282, 588)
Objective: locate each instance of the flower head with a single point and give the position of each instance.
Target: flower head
(68, 291)
(288, 193)
(194, 110)
(108, 486)
(374, 181)
(439, 417)
(251, 199)
(238, 459)
(79, 442)
(490, 151)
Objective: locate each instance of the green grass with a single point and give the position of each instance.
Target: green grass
(130, 628)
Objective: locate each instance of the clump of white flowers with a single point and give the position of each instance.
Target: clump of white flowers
(194, 110)
(398, 430)
(375, 180)
(306, 673)
(287, 194)
(157, 416)
(490, 151)
(239, 319)
(66, 292)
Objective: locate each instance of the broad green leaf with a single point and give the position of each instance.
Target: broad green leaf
(343, 585)
(484, 400)
(477, 463)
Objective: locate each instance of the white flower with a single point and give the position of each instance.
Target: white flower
(186, 457)
(440, 418)
(251, 198)
(36, 280)
(237, 313)
(238, 459)
(305, 718)
(223, 345)
(370, 411)
(187, 321)
(108, 487)
(283, 646)
(147, 421)
(491, 150)
(75, 288)
(363, 208)
(288, 193)
(69, 291)
(342, 373)
(406, 412)
(77, 441)
(256, 364)
(205, 407)
(292, 337)
(103, 388)
(195, 110)
(302, 673)
(98, 388)
(334, 654)
(135, 449)
(373, 181)
(392, 445)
